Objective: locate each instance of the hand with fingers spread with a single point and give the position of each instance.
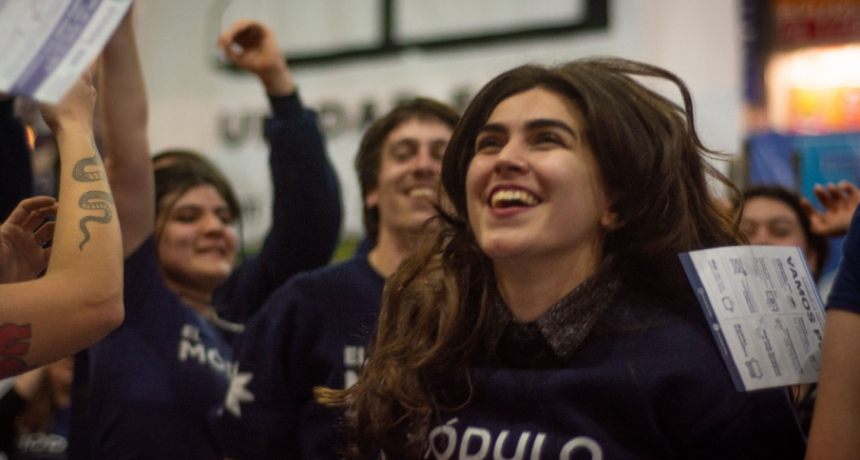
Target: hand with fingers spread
(839, 202)
(22, 239)
(252, 46)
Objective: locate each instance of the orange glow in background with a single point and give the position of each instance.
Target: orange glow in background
(815, 91)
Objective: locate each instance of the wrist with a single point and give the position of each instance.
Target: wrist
(287, 106)
(278, 81)
(72, 126)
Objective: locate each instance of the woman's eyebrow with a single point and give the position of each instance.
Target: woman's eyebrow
(407, 142)
(493, 128)
(531, 125)
(550, 123)
(187, 206)
(769, 220)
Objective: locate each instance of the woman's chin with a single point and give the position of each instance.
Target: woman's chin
(210, 278)
(505, 250)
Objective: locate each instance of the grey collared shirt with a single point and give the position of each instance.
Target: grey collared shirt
(566, 324)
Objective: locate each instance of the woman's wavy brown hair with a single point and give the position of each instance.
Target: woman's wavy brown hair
(435, 306)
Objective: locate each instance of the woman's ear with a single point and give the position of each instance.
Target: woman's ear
(610, 220)
(371, 198)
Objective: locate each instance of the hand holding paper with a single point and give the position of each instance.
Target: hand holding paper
(46, 47)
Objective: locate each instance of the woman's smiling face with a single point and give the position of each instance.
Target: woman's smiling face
(533, 187)
(196, 241)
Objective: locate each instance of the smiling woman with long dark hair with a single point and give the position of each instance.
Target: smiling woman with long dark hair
(550, 316)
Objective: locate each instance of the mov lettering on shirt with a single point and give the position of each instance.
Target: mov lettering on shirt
(42, 443)
(476, 443)
(192, 348)
(353, 358)
(13, 347)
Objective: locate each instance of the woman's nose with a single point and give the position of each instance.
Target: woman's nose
(761, 236)
(511, 159)
(213, 223)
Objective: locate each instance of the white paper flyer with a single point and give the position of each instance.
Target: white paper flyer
(47, 44)
(764, 310)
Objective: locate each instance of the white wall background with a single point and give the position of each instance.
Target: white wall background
(700, 40)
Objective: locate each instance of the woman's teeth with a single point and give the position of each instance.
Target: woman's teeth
(508, 198)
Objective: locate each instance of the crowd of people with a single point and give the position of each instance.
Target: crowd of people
(519, 294)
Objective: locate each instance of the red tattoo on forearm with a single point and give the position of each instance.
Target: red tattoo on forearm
(13, 348)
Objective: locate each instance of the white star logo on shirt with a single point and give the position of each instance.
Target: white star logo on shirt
(238, 392)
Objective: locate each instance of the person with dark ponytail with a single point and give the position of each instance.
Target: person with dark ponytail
(550, 317)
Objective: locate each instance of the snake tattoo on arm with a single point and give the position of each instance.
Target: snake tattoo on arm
(93, 200)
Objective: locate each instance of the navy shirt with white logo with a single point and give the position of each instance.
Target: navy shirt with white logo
(154, 381)
(311, 332)
(645, 383)
(149, 390)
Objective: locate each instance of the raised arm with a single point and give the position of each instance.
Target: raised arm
(79, 300)
(124, 115)
(839, 202)
(306, 206)
(251, 46)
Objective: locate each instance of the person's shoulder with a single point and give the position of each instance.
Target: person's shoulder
(145, 290)
(635, 310)
(145, 255)
(330, 285)
(654, 328)
(142, 273)
(851, 243)
(349, 272)
(845, 291)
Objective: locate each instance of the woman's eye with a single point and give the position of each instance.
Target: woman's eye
(781, 231)
(226, 218)
(185, 217)
(548, 138)
(487, 142)
(401, 155)
(437, 153)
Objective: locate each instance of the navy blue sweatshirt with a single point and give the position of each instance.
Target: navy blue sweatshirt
(645, 383)
(311, 332)
(149, 389)
(845, 294)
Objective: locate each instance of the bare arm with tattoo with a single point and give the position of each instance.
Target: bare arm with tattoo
(79, 299)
